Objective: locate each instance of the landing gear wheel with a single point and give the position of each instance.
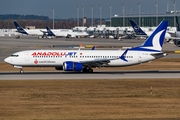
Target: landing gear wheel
(87, 70)
(21, 71)
(90, 70)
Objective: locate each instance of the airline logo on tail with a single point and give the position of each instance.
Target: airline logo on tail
(137, 29)
(50, 33)
(155, 41)
(19, 28)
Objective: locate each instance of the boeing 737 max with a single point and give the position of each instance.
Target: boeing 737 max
(85, 60)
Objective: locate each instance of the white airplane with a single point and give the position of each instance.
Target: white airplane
(65, 33)
(34, 32)
(85, 60)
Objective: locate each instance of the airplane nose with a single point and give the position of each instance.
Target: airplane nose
(7, 60)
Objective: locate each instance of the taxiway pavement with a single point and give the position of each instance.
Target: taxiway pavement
(108, 75)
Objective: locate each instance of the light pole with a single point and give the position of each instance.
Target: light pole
(53, 16)
(92, 15)
(110, 9)
(174, 3)
(156, 4)
(123, 11)
(77, 15)
(139, 6)
(100, 8)
(83, 14)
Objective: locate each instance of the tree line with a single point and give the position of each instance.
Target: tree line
(24, 17)
(6, 22)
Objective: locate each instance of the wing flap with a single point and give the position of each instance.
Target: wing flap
(97, 62)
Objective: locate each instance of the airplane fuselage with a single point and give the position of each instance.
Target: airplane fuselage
(35, 32)
(67, 32)
(53, 58)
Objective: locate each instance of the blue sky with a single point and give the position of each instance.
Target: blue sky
(67, 8)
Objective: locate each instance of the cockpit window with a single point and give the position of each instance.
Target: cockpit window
(14, 55)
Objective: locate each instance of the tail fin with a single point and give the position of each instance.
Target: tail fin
(177, 24)
(137, 29)
(19, 28)
(155, 41)
(93, 48)
(50, 33)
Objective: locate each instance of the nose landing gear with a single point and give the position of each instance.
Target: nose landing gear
(20, 68)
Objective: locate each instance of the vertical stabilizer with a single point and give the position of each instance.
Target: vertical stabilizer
(155, 41)
(50, 33)
(19, 28)
(137, 29)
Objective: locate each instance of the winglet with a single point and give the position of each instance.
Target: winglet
(122, 57)
(137, 29)
(19, 28)
(50, 33)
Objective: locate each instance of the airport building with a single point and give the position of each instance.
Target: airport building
(144, 20)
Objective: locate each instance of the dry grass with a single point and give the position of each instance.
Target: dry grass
(90, 99)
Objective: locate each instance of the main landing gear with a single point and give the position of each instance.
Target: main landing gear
(87, 70)
(20, 68)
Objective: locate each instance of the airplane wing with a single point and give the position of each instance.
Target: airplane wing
(97, 62)
(43, 31)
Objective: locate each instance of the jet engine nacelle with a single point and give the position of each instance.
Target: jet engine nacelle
(177, 43)
(68, 36)
(72, 66)
(59, 68)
